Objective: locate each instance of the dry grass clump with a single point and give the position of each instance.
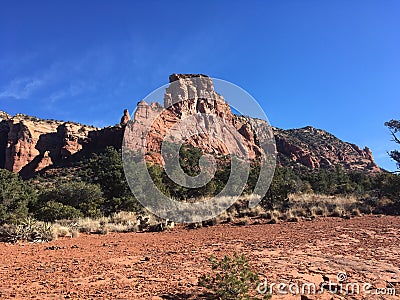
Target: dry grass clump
(318, 211)
(61, 231)
(310, 206)
(88, 225)
(118, 222)
(356, 212)
(313, 205)
(74, 233)
(242, 222)
(238, 213)
(292, 215)
(315, 199)
(124, 218)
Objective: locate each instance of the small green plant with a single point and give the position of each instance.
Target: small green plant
(233, 279)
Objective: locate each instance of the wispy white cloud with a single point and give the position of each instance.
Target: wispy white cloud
(59, 80)
(24, 86)
(94, 79)
(21, 88)
(74, 89)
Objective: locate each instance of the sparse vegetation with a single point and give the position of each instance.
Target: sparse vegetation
(117, 222)
(96, 197)
(27, 230)
(232, 278)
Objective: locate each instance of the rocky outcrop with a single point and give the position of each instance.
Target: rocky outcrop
(191, 105)
(316, 148)
(125, 118)
(306, 147)
(29, 145)
(4, 116)
(190, 94)
(34, 144)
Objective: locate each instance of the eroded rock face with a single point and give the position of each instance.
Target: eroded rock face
(4, 116)
(192, 105)
(308, 147)
(34, 144)
(189, 94)
(316, 148)
(29, 145)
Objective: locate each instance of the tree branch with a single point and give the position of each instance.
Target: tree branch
(395, 138)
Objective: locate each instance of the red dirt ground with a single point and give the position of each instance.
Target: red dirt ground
(167, 265)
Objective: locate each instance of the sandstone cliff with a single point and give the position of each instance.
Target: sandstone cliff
(214, 128)
(306, 147)
(34, 144)
(29, 145)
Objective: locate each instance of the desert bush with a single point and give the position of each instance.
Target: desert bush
(195, 225)
(52, 211)
(15, 197)
(232, 279)
(85, 197)
(88, 225)
(336, 212)
(318, 211)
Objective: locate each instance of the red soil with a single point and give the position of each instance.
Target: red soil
(167, 265)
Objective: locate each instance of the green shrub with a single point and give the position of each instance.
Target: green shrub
(15, 196)
(232, 279)
(85, 197)
(52, 211)
(106, 170)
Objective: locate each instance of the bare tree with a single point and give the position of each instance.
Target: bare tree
(394, 127)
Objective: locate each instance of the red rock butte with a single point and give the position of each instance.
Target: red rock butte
(29, 145)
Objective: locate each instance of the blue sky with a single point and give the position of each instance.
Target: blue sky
(334, 65)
